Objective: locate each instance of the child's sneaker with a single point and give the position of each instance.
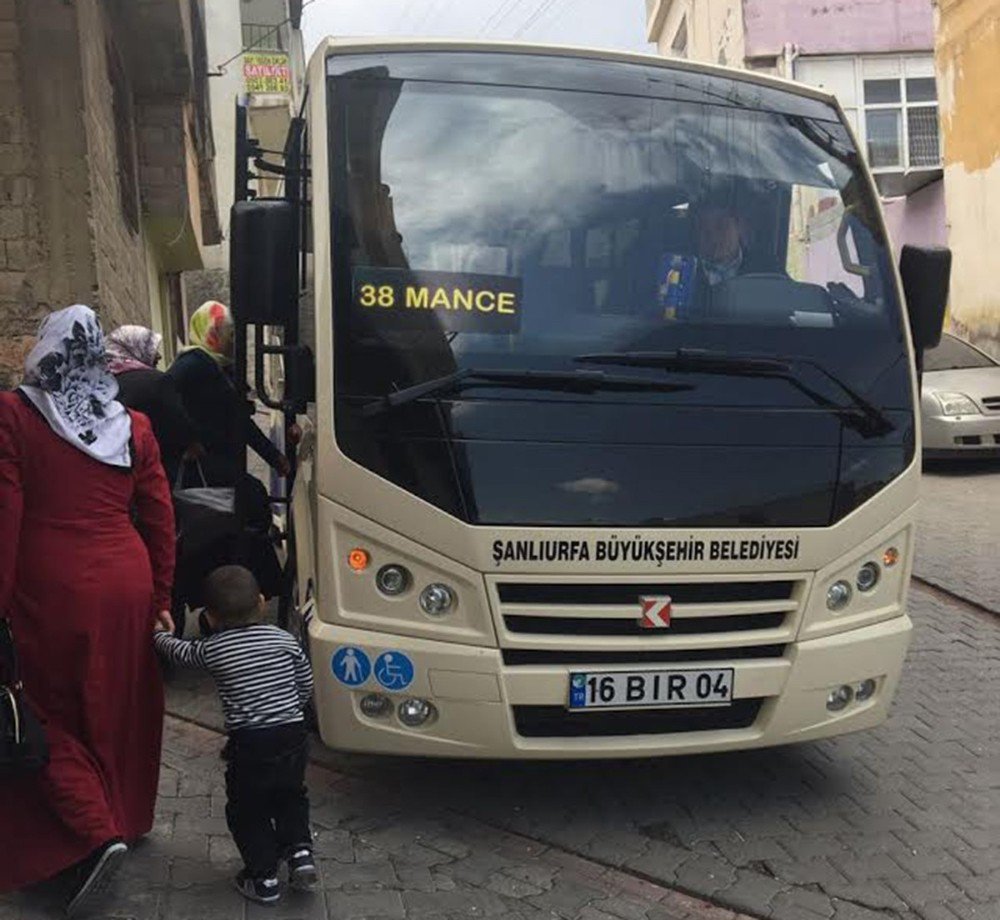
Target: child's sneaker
(261, 890)
(302, 874)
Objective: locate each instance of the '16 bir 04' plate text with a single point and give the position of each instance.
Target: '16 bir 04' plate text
(665, 689)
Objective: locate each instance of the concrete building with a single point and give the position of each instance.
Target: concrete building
(256, 53)
(876, 55)
(968, 62)
(106, 187)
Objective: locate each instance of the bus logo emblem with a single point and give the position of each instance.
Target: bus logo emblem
(655, 612)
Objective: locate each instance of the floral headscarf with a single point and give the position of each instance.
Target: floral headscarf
(211, 331)
(66, 379)
(132, 348)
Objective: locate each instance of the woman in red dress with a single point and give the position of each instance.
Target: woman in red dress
(86, 564)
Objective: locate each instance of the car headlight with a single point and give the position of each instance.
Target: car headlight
(956, 404)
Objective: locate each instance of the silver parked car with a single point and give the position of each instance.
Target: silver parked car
(960, 401)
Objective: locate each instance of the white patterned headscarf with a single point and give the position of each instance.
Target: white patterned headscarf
(132, 348)
(67, 380)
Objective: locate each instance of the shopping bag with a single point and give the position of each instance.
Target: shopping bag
(205, 514)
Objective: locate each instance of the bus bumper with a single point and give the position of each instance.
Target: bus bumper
(486, 709)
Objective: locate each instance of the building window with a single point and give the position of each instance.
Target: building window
(901, 122)
(679, 46)
(125, 147)
(890, 101)
(263, 37)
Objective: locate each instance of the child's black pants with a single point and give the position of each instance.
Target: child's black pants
(267, 807)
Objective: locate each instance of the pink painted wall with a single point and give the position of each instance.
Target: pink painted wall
(919, 219)
(838, 26)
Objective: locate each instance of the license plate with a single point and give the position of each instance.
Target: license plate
(665, 689)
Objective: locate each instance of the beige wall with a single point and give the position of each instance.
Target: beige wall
(968, 63)
(715, 32)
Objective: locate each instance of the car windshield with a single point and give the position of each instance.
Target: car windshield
(952, 354)
(510, 213)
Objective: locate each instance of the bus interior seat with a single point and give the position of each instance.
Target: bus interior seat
(770, 299)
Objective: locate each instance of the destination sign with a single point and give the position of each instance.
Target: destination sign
(460, 301)
(653, 552)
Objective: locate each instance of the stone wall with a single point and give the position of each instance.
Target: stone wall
(199, 286)
(122, 294)
(19, 310)
(64, 237)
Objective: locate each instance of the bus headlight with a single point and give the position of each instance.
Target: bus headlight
(415, 712)
(866, 689)
(839, 698)
(437, 599)
(868, 576)
(838, 595)
(392, 580)
(375, 705)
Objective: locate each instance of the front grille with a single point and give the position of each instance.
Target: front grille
(524, 656)
(624, 592)
(558, 722)
(992, 402)
(735, 612)
(618, 626)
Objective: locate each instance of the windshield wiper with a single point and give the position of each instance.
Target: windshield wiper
(860, 415)
(585, 381)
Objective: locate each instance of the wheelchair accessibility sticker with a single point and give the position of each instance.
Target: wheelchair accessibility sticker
(351, 666)
(394, 670)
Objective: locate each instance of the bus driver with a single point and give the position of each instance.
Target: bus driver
(719, 244)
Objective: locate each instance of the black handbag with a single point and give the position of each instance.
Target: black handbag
(23, 746)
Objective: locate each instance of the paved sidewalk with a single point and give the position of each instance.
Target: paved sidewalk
(385, 852)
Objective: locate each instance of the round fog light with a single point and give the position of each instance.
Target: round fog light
(865, 690)
(375, 705)
(436, 599)
(868, 576)
(839, 698)
(415, 712)
(838, 595)
(392, 580)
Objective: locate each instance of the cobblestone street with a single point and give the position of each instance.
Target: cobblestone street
(900, 823)
(959, 530)
(385, 852)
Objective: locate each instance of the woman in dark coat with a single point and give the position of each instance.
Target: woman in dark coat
(221, 414)
(86, 564)
(224, 426)
(133, 354)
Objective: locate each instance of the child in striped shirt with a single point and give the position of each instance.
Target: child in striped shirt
(264, 682)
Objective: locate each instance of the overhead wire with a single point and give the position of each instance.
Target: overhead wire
(502, 11)
(544, 7)
(433, 9)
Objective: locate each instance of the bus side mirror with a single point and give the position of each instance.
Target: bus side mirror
(263, 258)
(926, 274)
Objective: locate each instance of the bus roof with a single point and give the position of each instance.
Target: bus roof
(363, 45)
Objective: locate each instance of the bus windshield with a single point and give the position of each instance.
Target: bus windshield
(541, 217)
